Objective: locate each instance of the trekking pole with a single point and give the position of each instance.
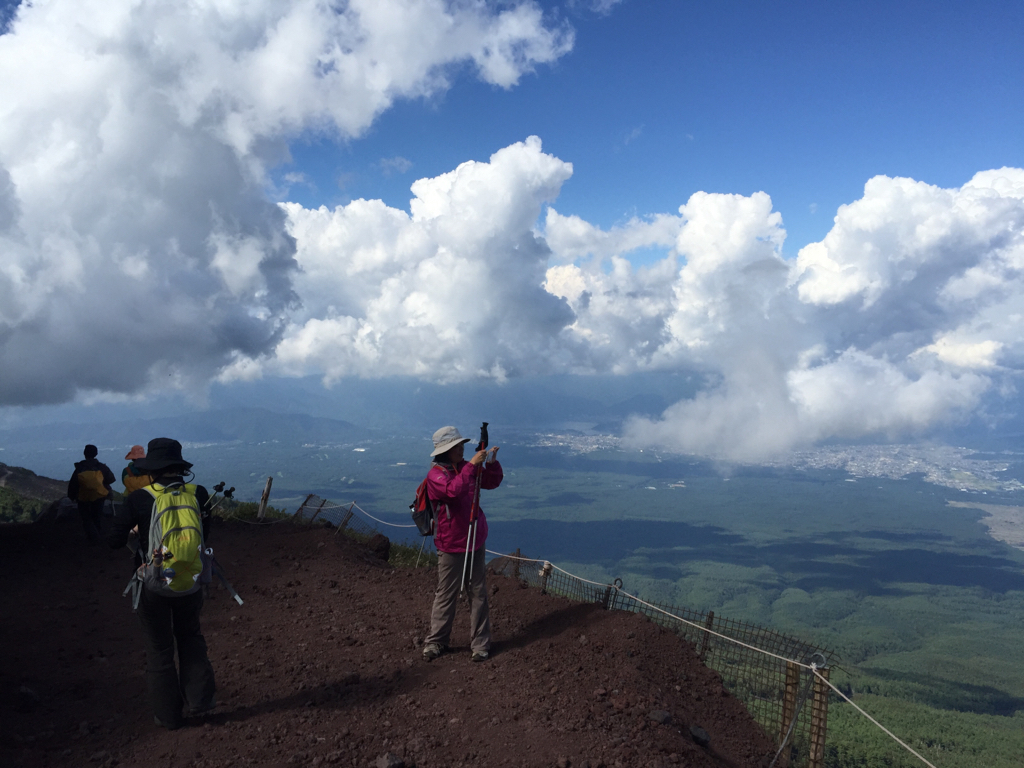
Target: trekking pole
(422, 545)
(219, 573)
(471, 534)
(219, 488)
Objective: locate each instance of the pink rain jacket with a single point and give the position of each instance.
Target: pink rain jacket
(454, 492)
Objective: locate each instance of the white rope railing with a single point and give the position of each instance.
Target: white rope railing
(893, 736)
(382, 522)
(326, 506)
(671, 615)
(535, 560)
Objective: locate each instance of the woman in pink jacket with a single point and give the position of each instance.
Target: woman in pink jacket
(451, 483)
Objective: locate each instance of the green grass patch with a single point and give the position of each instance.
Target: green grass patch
(248, 511)
(15, 508)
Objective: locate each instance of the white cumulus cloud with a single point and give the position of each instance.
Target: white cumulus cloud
(451, 291)
(901, 319)
(138, 248)
(469, 285)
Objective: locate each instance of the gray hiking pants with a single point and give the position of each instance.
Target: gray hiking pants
(168, 622)
(449, 574)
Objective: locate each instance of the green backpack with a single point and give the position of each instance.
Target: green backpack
(177, 561)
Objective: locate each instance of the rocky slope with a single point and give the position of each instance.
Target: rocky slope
(25, 496)
(27, 483)
(322, 666)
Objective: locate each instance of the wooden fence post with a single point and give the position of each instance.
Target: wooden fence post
(819, 720)
(789, 705)
(705, 638)
(264, 499)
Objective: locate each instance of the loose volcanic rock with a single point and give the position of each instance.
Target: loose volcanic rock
(700, 736)
(380, 545)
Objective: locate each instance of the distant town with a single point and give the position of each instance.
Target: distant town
(952, 467)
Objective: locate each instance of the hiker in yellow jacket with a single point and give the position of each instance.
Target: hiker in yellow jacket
(90, 487)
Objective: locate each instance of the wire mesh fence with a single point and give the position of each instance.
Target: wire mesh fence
(784, 697)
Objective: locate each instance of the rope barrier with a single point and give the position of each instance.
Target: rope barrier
(535, 560)
(712, 632)
(258, 522)
(869, 717)
(382, 522)
(812, 667)
(672, 615)
(352, 505)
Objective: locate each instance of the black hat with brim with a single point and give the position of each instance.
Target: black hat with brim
(163, 452)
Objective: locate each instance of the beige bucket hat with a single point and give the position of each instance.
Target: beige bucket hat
(445, 439)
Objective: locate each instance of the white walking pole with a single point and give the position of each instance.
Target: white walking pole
(471, 533)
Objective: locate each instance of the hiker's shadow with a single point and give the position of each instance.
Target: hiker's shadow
(547, 626)
(343, 693)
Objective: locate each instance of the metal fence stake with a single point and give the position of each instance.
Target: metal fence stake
(302, 506)
(318, 510)
(819, 720)
(789, 705)
(347, 517)
(705, 638)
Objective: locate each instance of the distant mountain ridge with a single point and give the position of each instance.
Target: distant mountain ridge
(248, 425)
(27, 483)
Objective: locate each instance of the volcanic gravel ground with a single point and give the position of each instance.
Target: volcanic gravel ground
(323, 666)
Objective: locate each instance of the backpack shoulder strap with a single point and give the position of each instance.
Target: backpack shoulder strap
(156, 489)
(156, 493)
(435, 503)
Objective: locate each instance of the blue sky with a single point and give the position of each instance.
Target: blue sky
(815, 209)
(803, 100)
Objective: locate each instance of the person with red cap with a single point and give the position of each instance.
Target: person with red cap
(132, 477)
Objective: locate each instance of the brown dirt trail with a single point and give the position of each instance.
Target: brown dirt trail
(322, 666)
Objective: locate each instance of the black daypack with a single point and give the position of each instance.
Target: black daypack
(423, 510)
